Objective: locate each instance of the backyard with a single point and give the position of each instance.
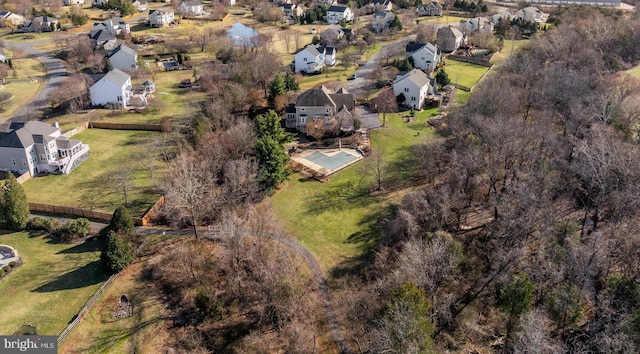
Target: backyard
(51, 286)
(339, 221)
(464, 74)
(18, 83)
(118, 158)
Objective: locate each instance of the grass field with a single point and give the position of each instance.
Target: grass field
(338, 221)
(99, 333)
(22, 92)
(51, 286)
(464, 74)
(93, 184)
(635, 71)
(441, 19)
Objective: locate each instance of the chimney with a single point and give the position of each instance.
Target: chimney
(56, 125)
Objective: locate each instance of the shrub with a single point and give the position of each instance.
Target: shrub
(1, 273)
(6, 269)
(79, 227)
(39, 223)
(13, 264)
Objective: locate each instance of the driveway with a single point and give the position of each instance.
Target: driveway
(369, 119)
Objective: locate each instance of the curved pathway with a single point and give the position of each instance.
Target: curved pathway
(55, 74)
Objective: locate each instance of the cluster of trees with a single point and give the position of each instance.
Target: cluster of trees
(244, 293)
(472, 6)
(14, 208)
(125, 7)
(527, 224)
(118, 238)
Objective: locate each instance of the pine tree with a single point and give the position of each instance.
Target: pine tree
(277, 87)
(121, 221)
(442, 78)
(117, 254)
(290, 83)
(15, 208)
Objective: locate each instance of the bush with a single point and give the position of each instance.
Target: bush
(1, 273)
(6, 269)
(13, 264)
(73, 230)
(44, 224)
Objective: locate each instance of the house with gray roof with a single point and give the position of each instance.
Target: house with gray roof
(415, 86)
(161, 18)
(193, 7)
(321, 106)
(8, 16)
(430, 9)
(116, 25)
(449, 39)
(102, 38)
(336, 14)
(313, 58)
(124, 58)
(113, 88)
(382, 20)
(425, 56)
(41, 24)
(36, 147)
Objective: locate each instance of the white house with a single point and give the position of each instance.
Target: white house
(450, 39)
(313, 58)
(73, 2)
(415, 86)
(113, 88)
(16, 19)
(495, 18)
(116, 25)
(532, 14)
(141, 5)
(476, 24)
(193, 7)
(336, 14)
(161, 18)
(382, 20)
(425, 56)
(124, 58)
(41, 24)
(103, 39)
(380, 5)
(35, 147)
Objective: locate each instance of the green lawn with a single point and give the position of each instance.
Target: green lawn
(93, 185)
(635, 71)
(465, 74)
(338, 221)
(51, 286)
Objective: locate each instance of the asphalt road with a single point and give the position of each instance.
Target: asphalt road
(52, 80)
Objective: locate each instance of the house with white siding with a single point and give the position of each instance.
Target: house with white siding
(336, 14)
(113, 88)
(161, 18)
(313, 58)
(424, 56)
(124, 58)
(415, 86)
(35, 147)
(327, 109)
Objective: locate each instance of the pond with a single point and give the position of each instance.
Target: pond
(242, 35)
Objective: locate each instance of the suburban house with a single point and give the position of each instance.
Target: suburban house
(15, 19)
(327, 2)
(116, 25)
(476, 24)
(291, 11)
(336, 14)
(193, 7)
(600, 3)
(331, 35)
(320, 105)
(382, 20)
(431, 9)
(495, 18)
(41, 24)
(161, 18)
(532, 14)
(424, 56)
(380, 5)
(3, 56)
(113, 88)
(73, 2)
(141, 5)
(313, 58)
(415, 86)
(36, 147)
(103, 39)
(124, 58)
(450, 39)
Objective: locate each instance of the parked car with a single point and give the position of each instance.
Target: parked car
(352, 77)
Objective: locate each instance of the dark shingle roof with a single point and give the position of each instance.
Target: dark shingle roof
(24, 134)
(337, 9)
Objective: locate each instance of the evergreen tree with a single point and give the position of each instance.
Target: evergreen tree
(442, 78)
(14, 211)
(117, 254)
(277, 87)
(273, 160)
(268, 124)
(290, 83)
(121, 221)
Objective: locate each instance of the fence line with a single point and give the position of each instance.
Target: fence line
(75, 130)
(85, 309)
(132, 126)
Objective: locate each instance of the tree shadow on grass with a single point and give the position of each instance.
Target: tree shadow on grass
(367, 241)
(348, 195)
(89, 274)
(87, 246)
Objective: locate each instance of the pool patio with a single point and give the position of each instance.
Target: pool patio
(326, 162)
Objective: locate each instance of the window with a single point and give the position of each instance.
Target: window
(413, 98)
(24, 162)
(302, 109)
(119, 98)
(406, 89)
(13, 161)
(41, 157)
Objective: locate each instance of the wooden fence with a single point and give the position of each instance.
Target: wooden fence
(85, 309)
(131, 126)
(482, 61)
(75, 130)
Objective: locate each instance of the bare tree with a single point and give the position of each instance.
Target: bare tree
(297, 39)
(286, 36)
(535, 336)
(385, 103)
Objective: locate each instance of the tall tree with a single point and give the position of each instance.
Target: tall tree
(14, 207)
(117, 254)
(385, 103)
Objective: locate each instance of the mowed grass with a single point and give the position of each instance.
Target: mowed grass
(99, 333)
(635, 71)
(23, 92)
(465, 74)
(94, 184)
(339, 221)
(49, 289)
